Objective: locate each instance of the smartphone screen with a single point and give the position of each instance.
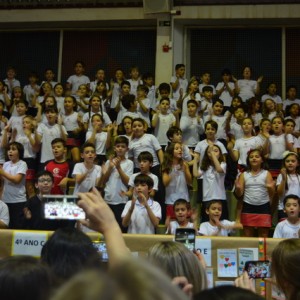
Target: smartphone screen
(186, 236)
(101, 248)
(258, 269)
(62, 207)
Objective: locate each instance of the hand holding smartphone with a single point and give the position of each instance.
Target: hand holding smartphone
(186, 236)
(258, 269)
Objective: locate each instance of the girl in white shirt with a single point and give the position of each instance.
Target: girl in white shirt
(257, 188)
(176, 177)
(213, 169)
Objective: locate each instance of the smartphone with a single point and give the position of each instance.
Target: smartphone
(186, 236)
(62, 207)
(101, 248)
(258, 268)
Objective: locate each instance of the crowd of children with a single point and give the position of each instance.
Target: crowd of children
(146, 147)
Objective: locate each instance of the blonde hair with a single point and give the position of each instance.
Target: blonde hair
(286, 267)
(176, 260)
(132, 279)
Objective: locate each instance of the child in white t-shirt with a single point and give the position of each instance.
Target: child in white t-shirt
(215, 227)
(182, 211)
(87, 175)
(116, 177)
(290, 227)
(142, 214)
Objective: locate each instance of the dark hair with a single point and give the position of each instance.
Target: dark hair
(291, 87)
(178, 66)
(125, 82)
(217, 101)
(142, 87)
(288, 109)
(122, 140)
(204, 72)
(193, 102)
(164, 87)
(69, 251)
(73, 99)
(141, 120)
(58, 140)
(206, 162)
(19, 147)
(263, 166)
(52, 109)
(164, 99)
(44, 173)
(290, 196)
(225, 72)
(145, 155)
(180, 201)
(289, 121)
(22, 101)
(24, 277)
(211, 202)
(168, 157)
(212, 123)
(141, 178)
(79, 62)
(207, 88)
(227, 292)
(86, 145)
(147, 75)
(128, 100)
(172, 130)
(97, 115)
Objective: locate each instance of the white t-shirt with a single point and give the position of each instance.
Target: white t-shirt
(4, 214)
(154, 178)
(48, 133)
(287, 102)
(145, 115)
(183, 83)
(147, 142)
(140, 221)
(293, 184)
(243, 145)
(164, 122)
(70, 121)
(24, 140)
(278, 145)
(100, 141)
(201, 148)
(177, 188)
(213, 184)
(225, 95)
(247, 88)
(285, 229)
(87, 118)
(207, 229)
(89, 181)
(14, 192)
(191, 130)
(174, 225)
(256, 192)
(76, 81)
(114, 185)
(275, 98)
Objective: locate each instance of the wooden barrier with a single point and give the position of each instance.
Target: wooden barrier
(141, 244)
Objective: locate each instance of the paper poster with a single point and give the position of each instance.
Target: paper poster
(227, 262)
(204, 246)
(28, 242)
(246, 254)
(222, 282)
(210, 277)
